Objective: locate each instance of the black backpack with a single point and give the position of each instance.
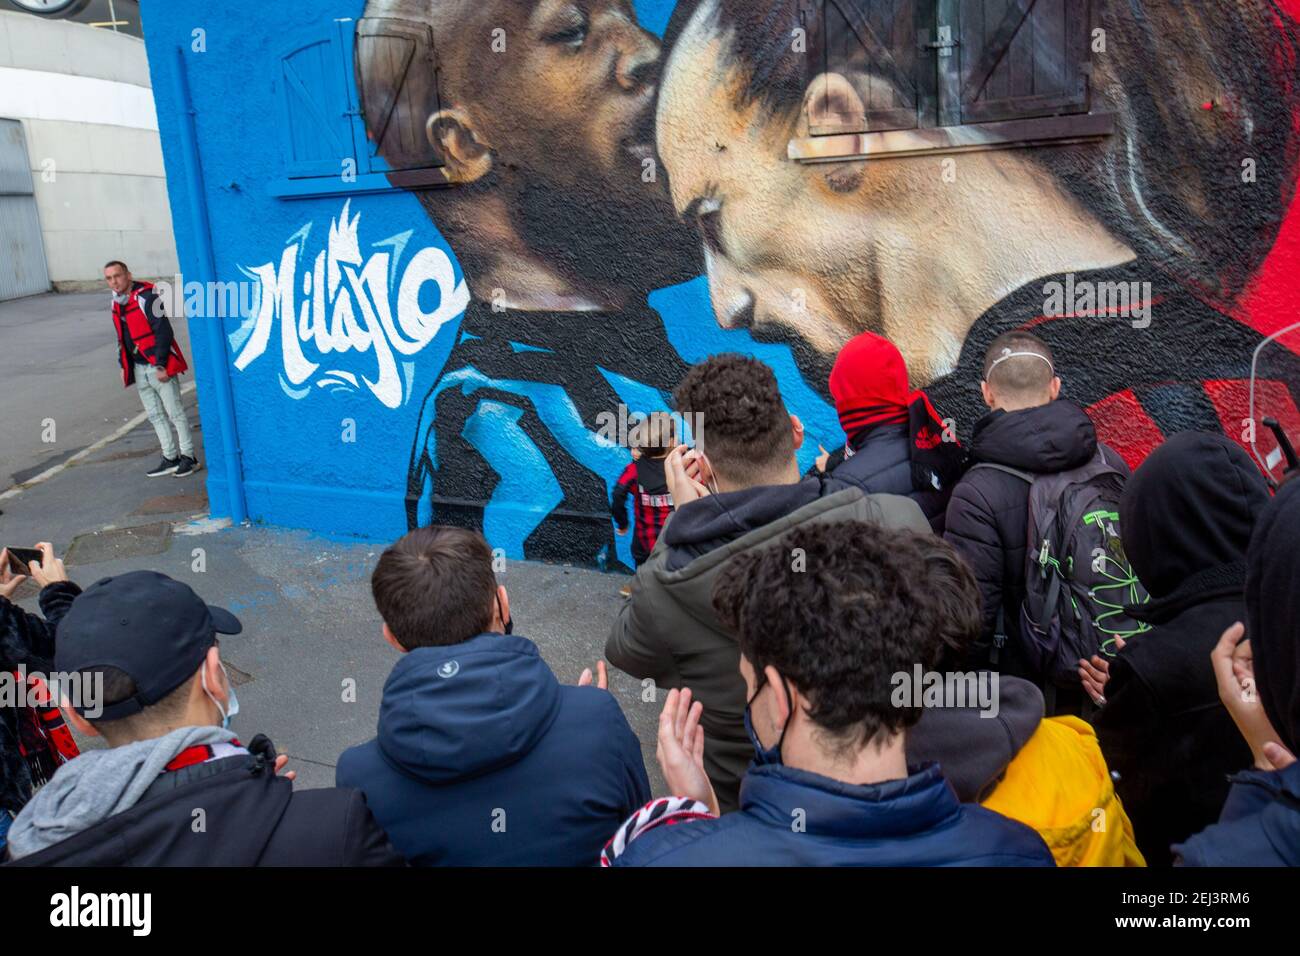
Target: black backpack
(1078, 579)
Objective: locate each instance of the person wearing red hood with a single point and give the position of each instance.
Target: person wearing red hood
(897, 443)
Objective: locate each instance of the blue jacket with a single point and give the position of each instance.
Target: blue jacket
(790, 817)
(1259, 825)
(484, 759)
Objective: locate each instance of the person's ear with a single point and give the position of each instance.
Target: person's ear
(1056, 387)
(453, 134)
(78, 723)
(987, 391)
(392, 639)
(831, 100)
(784, 704)
(503, 607)
(797, 428)
(214, 676)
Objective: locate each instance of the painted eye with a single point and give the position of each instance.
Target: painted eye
(573, 34)
(709, 220)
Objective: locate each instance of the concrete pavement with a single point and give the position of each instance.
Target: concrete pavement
(58, 364)
(309, 622)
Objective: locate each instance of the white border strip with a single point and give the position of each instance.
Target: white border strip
(42, 95)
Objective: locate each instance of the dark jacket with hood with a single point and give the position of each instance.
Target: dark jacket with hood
(25, 641)
(988, 516)
(101, 810)
(881, 464)
(917, 821)
(1186, 517)
(1260, 823)
(484, 759)
(668, 631)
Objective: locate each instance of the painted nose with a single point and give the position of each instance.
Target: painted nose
(638, 64)
(734, 302)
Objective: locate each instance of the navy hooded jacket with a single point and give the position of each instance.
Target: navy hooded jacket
(912, 822)
(484, 759)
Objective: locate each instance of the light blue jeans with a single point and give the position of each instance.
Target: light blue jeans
(162, 400)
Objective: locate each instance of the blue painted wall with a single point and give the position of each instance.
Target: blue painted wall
(293, 428)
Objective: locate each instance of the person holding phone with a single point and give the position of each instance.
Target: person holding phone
(739, 488)
(31, 747)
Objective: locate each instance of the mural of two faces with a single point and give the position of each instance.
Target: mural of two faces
(625, 196)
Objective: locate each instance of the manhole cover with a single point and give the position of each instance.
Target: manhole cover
(120, 543)
(173, 504)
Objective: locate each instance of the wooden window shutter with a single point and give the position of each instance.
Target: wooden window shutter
(873, 44)
(316, 131)
(397, 78)
(1023, 58)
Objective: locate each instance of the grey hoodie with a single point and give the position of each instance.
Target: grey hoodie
(97, 785)
(974, 751)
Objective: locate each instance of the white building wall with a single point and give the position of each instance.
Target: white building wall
(83, 96)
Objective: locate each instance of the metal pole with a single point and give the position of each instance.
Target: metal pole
(112, 14)
(212, 325)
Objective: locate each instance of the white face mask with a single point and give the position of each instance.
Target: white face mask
(226, 715)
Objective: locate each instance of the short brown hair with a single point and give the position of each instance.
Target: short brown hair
(435, 587)
(116, 262)
(1022, 374)
(656, 436)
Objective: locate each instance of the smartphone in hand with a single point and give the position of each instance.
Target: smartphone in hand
(19, 558)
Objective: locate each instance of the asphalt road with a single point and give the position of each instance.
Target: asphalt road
(309, 620)
(58, 364)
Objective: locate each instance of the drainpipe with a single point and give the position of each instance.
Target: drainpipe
(212, 325)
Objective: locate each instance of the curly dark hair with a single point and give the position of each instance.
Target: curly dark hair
(837, 608)
(741, 420)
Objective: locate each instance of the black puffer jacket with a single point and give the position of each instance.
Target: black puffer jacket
(987, 519)
(1187, 517)
(26, 641)
(881, 464)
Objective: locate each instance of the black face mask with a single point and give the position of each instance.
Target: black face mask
(765, 756)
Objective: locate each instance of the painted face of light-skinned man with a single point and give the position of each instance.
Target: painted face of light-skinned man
(829, 250)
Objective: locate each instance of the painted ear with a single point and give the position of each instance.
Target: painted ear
(831, 100)
(452, 134)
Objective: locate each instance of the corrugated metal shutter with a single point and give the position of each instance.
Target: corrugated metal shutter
(22, 253)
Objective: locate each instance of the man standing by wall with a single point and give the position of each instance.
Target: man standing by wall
(152, 360)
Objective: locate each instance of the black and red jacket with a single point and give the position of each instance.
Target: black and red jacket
(644, 481)
(150, 330)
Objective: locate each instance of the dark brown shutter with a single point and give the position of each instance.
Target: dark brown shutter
(397, 76)
(1023, 58)
(873, 44)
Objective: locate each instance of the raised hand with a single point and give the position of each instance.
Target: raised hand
(680, 749)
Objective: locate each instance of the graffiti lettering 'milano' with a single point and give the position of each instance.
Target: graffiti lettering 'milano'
(343, 304)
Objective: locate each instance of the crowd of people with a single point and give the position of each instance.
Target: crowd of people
(1131, 644)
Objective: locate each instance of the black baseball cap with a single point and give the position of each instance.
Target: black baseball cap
(151, 627)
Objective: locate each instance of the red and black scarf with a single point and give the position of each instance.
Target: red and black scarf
(870, 386)
(44, 740)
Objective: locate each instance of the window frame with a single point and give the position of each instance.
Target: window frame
(371, 174)
(948, 119)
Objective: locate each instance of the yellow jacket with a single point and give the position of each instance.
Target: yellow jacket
(1059, 785)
